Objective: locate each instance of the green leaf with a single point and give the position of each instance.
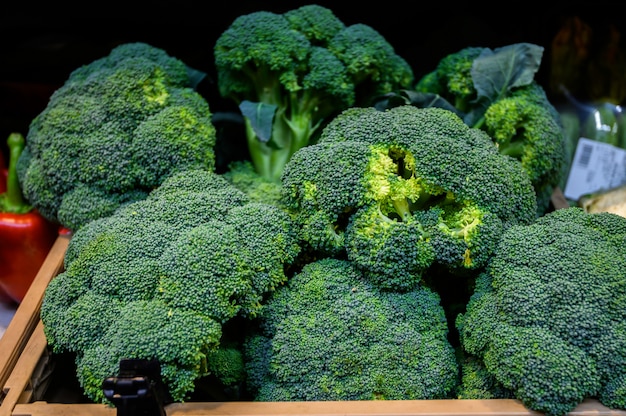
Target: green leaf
(414, 98)
(261, 117)
(496, 71)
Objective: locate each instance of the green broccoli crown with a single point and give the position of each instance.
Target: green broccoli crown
(181, 340)
(258, 54)
(297, 70)
(196, 249)
(317, 23)
(118, 125)
(330, 335)
(371, 61)
(424, 178)
(392, 254)
(547, 317)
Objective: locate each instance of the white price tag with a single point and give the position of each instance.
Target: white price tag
(596, 167)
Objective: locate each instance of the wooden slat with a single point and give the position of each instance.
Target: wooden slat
(18, 387)
(26, 316)
(56, 409)
(500, 407)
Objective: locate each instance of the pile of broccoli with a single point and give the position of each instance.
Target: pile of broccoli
(114, 131)
(401, 190)
(496, 91)
(290, 73)
(160, 278)
(388, 239)
(547, 321)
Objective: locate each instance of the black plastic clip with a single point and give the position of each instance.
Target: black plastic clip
(138, 390)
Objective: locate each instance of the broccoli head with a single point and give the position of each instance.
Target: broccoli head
(547, 318)
(159, 278)
(400, 190)
(290, 73)
(112, 132)
(329, 334)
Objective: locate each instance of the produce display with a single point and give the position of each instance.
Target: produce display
(388, 238)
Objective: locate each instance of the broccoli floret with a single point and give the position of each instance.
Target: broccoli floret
(399, 190)
(243, 176)
(331, 335)
(290, 73)
(479, 384)
(452, 79)
(496, 91)
(526, 126)
(547, 316)
(159, 278)
(113, 132)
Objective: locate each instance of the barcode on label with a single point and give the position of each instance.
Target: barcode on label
(585, 155)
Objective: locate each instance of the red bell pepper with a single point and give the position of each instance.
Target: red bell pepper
(4, 297)
(25, 235)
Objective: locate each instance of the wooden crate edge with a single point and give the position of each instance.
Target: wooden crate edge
(508, 407)
(26, 315)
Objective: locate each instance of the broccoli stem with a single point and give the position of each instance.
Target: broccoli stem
(479, 123)
(403, 208)
(268, 161)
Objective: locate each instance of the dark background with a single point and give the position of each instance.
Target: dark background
(41, 44)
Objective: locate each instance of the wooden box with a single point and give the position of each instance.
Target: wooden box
(25, 375)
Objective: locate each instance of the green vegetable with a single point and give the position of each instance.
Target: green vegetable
(524, 125)
(243, 176)
(496, 91)
(159, 278)
(478, 383)
(452, 79)
(114, 131)
(329, 334)
(290, 73)
(548, 316)
(401, 190)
